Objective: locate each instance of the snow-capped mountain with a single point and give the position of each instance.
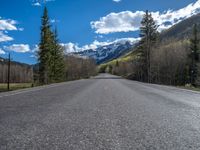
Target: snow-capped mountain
(109, 52)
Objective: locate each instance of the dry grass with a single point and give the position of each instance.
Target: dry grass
(191, 88)
(14, 86)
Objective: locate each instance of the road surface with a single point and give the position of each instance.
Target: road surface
(102, 113)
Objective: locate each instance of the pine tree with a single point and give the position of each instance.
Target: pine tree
(117, 64)
(194, 56)
(148, 34)
(58, 61)
(45, 47)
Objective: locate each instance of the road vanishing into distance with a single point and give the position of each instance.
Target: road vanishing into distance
(102, 113)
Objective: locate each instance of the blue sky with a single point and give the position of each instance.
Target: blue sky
(82, 24)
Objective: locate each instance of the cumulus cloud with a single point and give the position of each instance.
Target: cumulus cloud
(19, 48)
(71, 47)
(33, 56)
(74, 47)
(118, 22)
(2, 52)
(4, 37)
(21, 29)
(36, 4)
(127, 21)
(35, 49)
(7, 24)
(54, 21)
(117, 1)
(39, 3)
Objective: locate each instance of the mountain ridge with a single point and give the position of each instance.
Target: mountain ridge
(108, 52)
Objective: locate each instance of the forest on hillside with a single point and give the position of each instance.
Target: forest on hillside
(162, 58)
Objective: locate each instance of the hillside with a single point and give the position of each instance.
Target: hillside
(181, 30)
(178, 32)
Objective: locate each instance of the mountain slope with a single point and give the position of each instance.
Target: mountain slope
(181, 30)
(178, 32)
(109, 52)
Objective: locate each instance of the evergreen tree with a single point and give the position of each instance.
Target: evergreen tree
(194, 56)
(58, 61)
(45, 47)
(117, 64)
(148, 34)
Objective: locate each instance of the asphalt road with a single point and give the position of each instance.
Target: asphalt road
(103, 113)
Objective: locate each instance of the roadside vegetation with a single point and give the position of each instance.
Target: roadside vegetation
(19, 73)
(53, 64)
(15, 86)
(160, 58)
(189, 87)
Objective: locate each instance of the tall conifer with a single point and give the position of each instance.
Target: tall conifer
(194, 56)
(148, 34)
(58, 61)
(45, 47)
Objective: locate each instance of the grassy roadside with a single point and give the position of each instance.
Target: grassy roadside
(186, 87)
(14, 86)
(190, 88)
(18, 86)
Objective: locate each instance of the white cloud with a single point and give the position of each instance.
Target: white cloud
(36, 4)
(8, 24)
(33, 56)
(4, 37)
(70, 47)
(117, 1)
(54, 21)
(118, 22)
(2, 52)
(123, 40)
(5, 26)
(127, 21)
(19, 48)
(39, 3)
(21, 29)
(73, 47)
(35, 49)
